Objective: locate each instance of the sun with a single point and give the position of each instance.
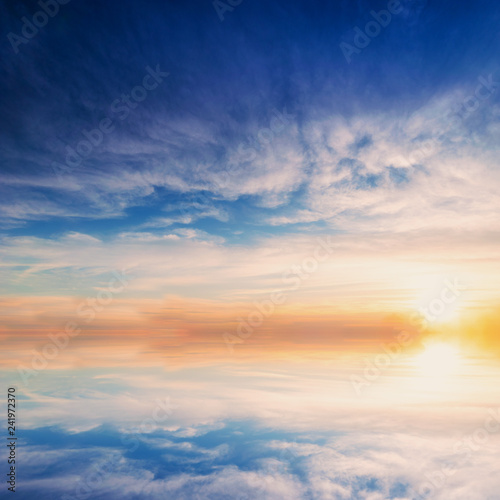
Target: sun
(439, 359)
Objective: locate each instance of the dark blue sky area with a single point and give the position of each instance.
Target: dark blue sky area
(225, 80)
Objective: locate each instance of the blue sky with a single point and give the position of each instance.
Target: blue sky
(261, 139)
(237, 434)
(226, 79)
(215, 159)
(229, 455)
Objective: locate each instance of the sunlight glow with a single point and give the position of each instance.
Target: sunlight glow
(439, 359)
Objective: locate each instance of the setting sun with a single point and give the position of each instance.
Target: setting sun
(250, 250)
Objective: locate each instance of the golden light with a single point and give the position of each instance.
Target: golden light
(439, 359)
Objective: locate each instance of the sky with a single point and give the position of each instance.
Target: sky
(282, 216)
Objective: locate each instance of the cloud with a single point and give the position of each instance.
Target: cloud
(273, 465)
(383, 171)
